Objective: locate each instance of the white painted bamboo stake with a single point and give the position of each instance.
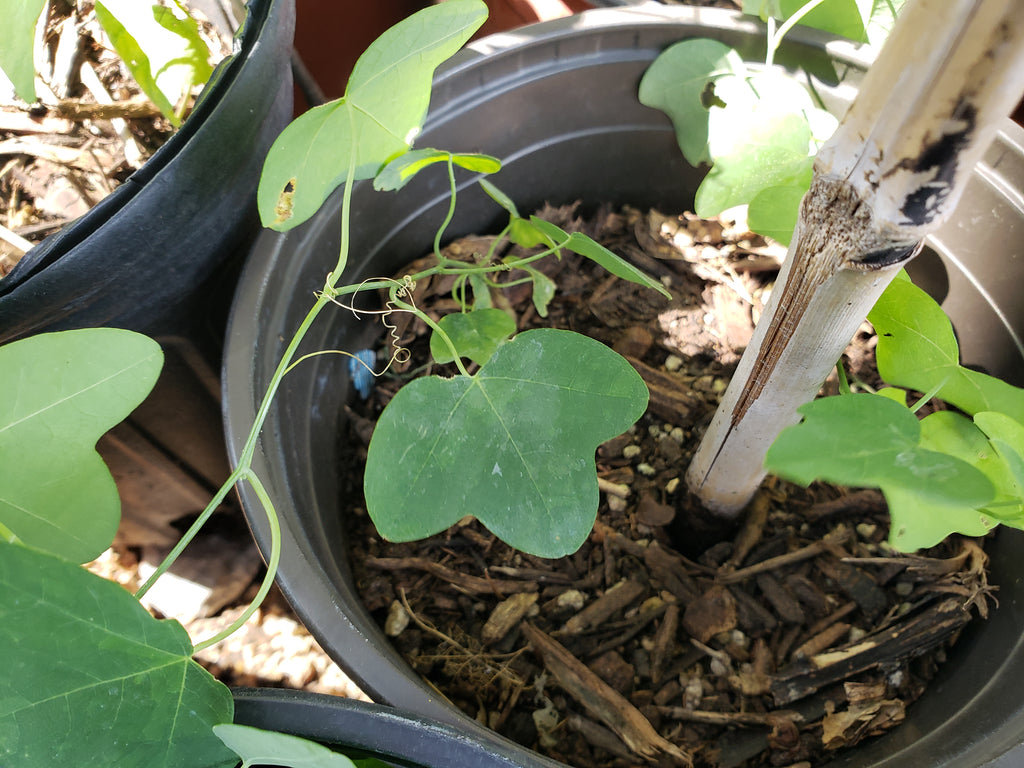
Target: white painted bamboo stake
(927, 109)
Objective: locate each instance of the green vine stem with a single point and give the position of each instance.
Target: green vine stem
(775, 36)
(243, 470)
(268, 579)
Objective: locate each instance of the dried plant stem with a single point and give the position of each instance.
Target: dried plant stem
(892, 173)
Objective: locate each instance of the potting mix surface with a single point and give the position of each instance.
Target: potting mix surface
(775, 642)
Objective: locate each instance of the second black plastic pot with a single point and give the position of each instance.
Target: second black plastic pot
(360, 729)
(557, 102)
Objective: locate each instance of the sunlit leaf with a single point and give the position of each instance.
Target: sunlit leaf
(680, 83)
(848, 18)
(512, 445)
(92, 679)
(883, 19)
(160, 46)
(377, 119)
(770, 151)
(62, 391)
(774, 210)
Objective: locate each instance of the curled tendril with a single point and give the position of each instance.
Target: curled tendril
(402, 289)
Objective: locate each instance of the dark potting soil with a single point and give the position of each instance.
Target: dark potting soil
(796, 633)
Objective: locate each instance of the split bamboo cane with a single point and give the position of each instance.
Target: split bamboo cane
(892, 173)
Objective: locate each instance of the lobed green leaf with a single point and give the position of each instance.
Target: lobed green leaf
(377, 119)
(871, 440)
(917, 349)
(92, 679)
(680, 83)
(513, 445)
(62, 391)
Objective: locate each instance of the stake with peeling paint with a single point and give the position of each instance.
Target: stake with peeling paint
(893, 172)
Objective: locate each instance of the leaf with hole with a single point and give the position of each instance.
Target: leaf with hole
(680, 83)
(376, 120)
(476, 335)
(91, 676)
(62, 391)
(512, 445)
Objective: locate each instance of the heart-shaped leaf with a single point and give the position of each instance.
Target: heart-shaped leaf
(475, 334)
(62, 391)
(90, 678)
(513, 445)
(378, 118)
(870, 440)
(680, 84)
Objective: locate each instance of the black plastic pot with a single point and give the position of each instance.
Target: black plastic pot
(153, 257)
(361, 729)
(137, 259)
(557, 102)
